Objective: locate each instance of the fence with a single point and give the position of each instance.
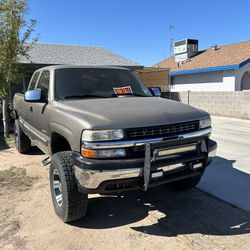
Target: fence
(225, 103)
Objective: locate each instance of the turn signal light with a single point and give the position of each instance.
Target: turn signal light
(89, 153)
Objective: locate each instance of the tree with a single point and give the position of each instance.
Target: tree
(16, 40)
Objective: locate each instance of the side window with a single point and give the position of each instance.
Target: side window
(33, 81)
(43, 83)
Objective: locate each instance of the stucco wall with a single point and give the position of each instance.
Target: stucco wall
(224, 103)
(207, 81)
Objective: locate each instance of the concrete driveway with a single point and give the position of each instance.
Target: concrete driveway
(228, 177)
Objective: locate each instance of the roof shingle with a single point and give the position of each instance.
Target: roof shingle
(232, 54)
(74, 55)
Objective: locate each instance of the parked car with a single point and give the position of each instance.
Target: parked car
(106, 132)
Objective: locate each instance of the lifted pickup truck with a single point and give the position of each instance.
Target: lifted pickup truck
(106, 132)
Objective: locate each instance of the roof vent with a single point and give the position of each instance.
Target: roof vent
(214, 47)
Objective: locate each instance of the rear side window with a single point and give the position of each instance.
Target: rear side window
(43, 83)
(33, 81)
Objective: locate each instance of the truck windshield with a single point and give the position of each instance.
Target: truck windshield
(97, 83)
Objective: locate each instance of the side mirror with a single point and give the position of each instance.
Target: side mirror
(156, 91)
(33, 96)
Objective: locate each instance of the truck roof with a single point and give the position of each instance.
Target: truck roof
(80, 66)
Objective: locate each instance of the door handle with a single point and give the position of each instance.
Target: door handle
(31, 109)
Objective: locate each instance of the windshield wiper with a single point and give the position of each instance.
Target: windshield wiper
(83, 96)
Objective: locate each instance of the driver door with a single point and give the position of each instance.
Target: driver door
(38, 113)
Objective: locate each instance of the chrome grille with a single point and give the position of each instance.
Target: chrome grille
(163, 131)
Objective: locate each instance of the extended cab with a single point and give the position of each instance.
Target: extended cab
(106, 132)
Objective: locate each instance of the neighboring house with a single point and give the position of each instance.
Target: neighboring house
(51, 54)
(224, 68)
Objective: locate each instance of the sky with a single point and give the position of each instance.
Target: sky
(139, 30)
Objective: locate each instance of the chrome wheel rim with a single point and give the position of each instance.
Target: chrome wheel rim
(57, 187)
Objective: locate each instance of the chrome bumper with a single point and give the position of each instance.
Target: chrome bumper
(91, 179)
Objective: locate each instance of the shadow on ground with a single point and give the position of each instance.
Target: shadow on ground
(174, 213)
(35, 151)
(3, 144)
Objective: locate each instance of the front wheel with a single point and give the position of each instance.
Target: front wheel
(186, 183)
(69, 203)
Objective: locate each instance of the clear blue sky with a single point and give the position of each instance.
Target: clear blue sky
(139, 29)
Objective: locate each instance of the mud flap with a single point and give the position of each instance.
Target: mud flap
(147, 166)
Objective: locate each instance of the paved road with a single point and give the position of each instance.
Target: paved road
(228, 178)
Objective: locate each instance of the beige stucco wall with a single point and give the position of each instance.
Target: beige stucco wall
(223, 103)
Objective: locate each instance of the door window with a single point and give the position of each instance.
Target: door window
(33, 81)
(43, 83)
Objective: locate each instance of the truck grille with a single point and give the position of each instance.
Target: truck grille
(162, 131)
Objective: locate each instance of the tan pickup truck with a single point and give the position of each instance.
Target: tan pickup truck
(106, 132)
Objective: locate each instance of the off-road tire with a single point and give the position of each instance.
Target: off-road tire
(22, 141)
(186, 183)
(74, 204)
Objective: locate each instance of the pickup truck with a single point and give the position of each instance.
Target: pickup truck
(105, 132)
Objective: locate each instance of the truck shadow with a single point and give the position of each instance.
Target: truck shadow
(3, 144)
(34, 150)
(166, 213)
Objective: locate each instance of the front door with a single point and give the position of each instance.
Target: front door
(37, 113)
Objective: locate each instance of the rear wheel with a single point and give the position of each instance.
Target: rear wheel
(69, 203)
(22, 141)
(186, 183)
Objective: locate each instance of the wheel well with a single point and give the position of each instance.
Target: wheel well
(59, 143)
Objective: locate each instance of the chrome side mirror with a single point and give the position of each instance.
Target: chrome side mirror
(33, 95)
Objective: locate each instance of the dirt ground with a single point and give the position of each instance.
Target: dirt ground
(157, 219)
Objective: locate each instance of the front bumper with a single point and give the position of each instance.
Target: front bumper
(103, 176)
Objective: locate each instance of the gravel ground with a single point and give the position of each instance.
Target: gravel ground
(157, 219)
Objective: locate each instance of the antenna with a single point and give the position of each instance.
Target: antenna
(171, 43)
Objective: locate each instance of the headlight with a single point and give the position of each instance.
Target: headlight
(205, 123)
(102, 135)
(103, 153)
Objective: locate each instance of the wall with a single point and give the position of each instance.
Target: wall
(224, 103)
(154, 77)
(207, 81)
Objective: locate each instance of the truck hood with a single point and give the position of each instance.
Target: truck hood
(131, 112)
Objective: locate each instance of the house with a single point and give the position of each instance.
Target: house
(51, 54)
(219, 68)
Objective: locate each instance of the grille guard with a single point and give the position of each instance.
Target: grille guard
(151, 159)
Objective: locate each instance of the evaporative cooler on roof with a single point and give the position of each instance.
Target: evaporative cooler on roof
(185, 49)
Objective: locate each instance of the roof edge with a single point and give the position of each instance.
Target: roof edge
(203, 70)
